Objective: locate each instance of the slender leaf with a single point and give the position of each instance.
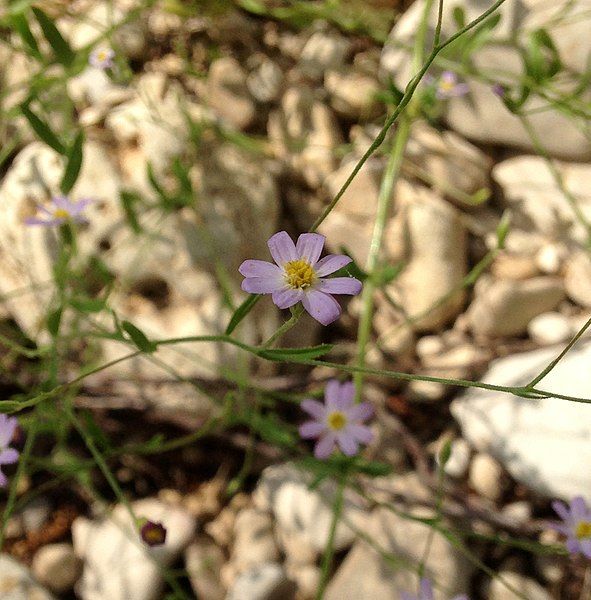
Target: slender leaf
(138, 337)
(295, 354)
(241, 312)
(19, 23)
(53, 321)
(88, 305)
(128, 201)
(73, 165)
(43, 130)
(61, 48)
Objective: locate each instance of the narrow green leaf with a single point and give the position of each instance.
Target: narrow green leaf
(43, 130)
(74, 164)
(241, 312)
(63, 51)
(156, 185)
(19, 23)
(272, 430)
(88, 305)
(138, 337)
(459, 17)
(128, 201)
(54, 318)
(295, 354)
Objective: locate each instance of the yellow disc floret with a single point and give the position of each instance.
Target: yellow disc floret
(299, 274)
(336, 420)
(61, 213)
(583, 530)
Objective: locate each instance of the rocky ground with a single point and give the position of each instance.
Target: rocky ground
(279, 115)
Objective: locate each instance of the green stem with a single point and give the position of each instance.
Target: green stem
(20, 471)
(114, 485)
(391, 175)
(408, 94)
(329, 549)
(295, 317)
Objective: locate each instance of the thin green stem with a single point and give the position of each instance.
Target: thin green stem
(20, 471)
(384, 201)
(547, 370)
(406, 98)
(327, 557)
(295, 317)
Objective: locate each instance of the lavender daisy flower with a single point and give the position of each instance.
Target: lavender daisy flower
(426, 593)
(337, 421)
(102, 58)
(299, 276)
(8, 456)
(448, 86)
(60, 211)
(576, 525)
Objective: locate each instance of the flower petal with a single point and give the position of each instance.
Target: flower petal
(259, 268)
(282, 248)
(426, 589)
(325, 445)
(3, 479)
(262, 285)
(332, 394)
(346, 396)
(309, 247)
(572, 545)
(8, 456)
(331, 263)
(81, 205)
(360, 412)
(586, 547)
(314, 408)
(339, 285)
(347, 443)
(578, 508)
(46, 222)
(322, 307)
(561, 510)
(287, 297)
(311, 429)
(63, 203)
(360, 433)
(7, 428)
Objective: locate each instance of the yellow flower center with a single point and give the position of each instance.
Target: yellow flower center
(336, 420)
(446, 85)
(61, 213)
(583, 530)
(299, 274)
(102, 55)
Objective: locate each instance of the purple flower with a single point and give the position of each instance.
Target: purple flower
(426, 593)
(102, 58)
(153, 534)
(299, 276)
(448, 86)
(576, 525)
(8, 456)
(60, 211)
(337, 421)
(498, 89)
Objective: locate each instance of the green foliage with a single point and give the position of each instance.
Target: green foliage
(73, 164)
(43, 130)
(62, 51)
(138, 337)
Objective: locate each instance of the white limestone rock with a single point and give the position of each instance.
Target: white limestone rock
(542, 443)
(117, 563)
